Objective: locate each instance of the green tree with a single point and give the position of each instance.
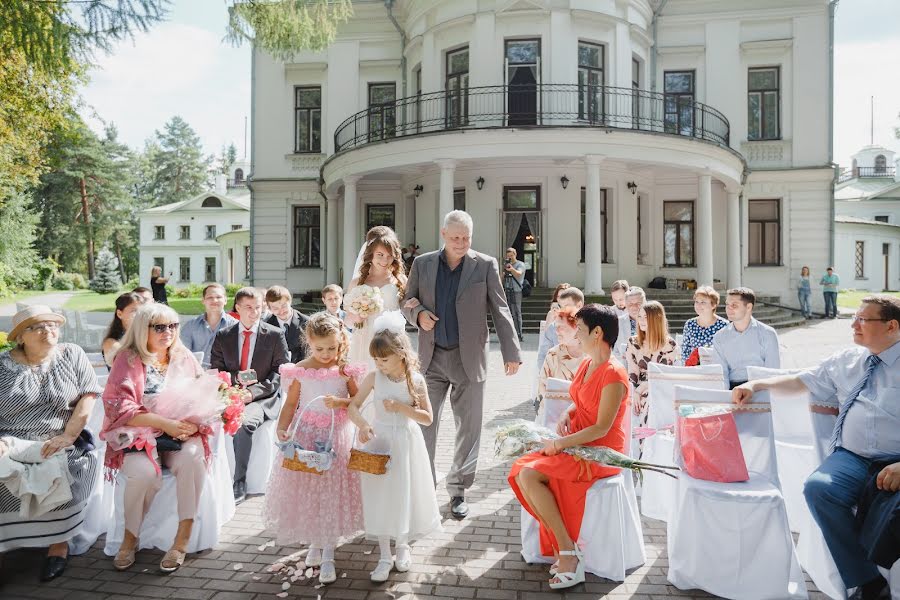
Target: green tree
(178, 168)
(18, 257)
(107, 279)
(226, 158)
(284, 27)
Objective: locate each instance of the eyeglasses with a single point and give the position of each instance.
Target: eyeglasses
(162, 327)
(44, 326)
(864, 320)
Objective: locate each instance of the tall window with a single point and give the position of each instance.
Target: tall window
(210, 232)
(590, 81)
(679, 102)
(640, 228)
(636, 96)
(238, 176)
(604, 220)
(307, 120)
(457, 87)
(418, 119)
(159, 232)
(860, 260)
(880, 164)
(381, 214)
(678, 233)
(246, 262)
(764, 218)
(184, 232)
(459, 199)
(762, 104)
(209, 271)
(306, 236)
(184, 268)
(382, 110)
(523, 62)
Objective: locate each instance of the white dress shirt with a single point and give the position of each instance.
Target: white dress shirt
(756, 346)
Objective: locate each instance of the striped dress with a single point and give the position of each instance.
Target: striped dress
(35, 404)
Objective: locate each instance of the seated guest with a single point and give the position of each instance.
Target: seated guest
(634, 300)
(699, 331)
(288, 319)
(552, 485)
(865, 443)
(144, 292)
(652, 344)
(562, 361)
(617, 292)
(197, 334)
(47, 390)
(260, 347)
(745, 342)
(152, 357)
(126, 305)
(565, 296)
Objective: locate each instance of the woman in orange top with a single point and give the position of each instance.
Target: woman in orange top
(551, 485)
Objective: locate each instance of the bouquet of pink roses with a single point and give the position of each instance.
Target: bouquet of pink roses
(364, 301)
(232, 403)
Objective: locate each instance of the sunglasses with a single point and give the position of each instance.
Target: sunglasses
(162, 327)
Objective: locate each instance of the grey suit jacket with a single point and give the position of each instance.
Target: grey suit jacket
(480, 291)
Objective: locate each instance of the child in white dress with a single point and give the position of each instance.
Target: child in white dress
(400, 504)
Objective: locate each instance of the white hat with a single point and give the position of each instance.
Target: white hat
(33, 314)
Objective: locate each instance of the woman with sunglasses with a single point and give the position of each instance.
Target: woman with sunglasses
(150, 358)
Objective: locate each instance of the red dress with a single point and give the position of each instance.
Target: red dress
(571, 478)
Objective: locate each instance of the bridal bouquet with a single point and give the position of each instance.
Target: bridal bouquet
(364, 301)
(518, 436)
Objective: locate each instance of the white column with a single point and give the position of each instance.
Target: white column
(445, 200)
(733, 239)
(352, 240)
(593, 228)
(331, 241)
(704, 248)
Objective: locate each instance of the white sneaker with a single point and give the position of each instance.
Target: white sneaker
(382, 571)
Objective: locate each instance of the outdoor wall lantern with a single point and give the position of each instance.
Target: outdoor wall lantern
(564, 181)
(418, 189)
(632, 186)
(479, 182)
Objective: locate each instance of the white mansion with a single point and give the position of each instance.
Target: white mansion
(603, 139)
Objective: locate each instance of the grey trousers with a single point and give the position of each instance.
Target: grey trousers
(514, 300)
(466, 401)
(243, 439)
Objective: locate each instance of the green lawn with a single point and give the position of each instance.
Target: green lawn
(87, 301)
(852, 298)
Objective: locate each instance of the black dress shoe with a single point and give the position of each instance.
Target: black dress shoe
(458, 508)
(54, 566)
(877, 589)
(240, 491)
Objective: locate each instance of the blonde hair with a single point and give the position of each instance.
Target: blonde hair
(135, 339)
(657, 328)
(709, 293)
(324, 324)
(387, 343)
(386, 238)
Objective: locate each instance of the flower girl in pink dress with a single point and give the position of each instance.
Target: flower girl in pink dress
(320, 510)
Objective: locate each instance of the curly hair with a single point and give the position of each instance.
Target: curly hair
(387, 239)
(323, 324)
(387, 343)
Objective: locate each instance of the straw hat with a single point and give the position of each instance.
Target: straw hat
(30, 316)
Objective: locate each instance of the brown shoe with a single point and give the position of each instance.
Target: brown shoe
(171, 561)
(124, 559)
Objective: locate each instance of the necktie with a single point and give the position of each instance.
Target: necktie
(245, 350)
(871, 362)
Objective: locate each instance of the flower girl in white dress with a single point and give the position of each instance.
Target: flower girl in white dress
(400, 504)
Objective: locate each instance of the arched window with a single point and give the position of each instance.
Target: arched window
(880, 164)
(212, 202)
(238, 175)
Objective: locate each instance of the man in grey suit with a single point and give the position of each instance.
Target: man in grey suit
(251, 344)
(454, 289)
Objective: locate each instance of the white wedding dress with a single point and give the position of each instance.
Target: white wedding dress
(359, 340)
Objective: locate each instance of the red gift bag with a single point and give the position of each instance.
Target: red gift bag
(711, 449)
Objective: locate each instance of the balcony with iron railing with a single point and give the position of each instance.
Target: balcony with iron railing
(864, 172)
(535, 105)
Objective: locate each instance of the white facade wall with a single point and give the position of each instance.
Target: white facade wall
(873, 238)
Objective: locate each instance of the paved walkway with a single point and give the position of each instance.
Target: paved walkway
(475, 558)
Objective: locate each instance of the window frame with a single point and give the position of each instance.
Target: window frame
(315, 258)
(635, 92)
(461, 93)
(382, 110)
(679, 97)
(679, 263)
(181, 267)
(882, 218)
(210, 229)
(159, 232)
(604, 218)
(763, 223)
(160, 261)
(456, 193)
(206, 263)
(880, 163)
(393, 209)
(307, 113)
(514, 188)
(762, 137)
(594, 114)
(859, 259)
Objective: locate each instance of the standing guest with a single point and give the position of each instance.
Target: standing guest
(804, 292)
(830, 283)
(47, 390)
(865, 444)
(332, 298)
(513, 280)
(552, 485)
(144, 292)
(151, 358)
(197, 334)
(158, 284)
(617, 292)
(699, 331)
(126, 305)
(289, 319)
(745, 342)
(567, 297)
(652, 344)
(251, 352)
(454, 289)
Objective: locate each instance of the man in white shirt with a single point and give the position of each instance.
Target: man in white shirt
(745, 342)
(634, 300)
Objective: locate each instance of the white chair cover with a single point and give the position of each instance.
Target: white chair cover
(262, 457)
(658, 493)
(99, 511)
(733, 539)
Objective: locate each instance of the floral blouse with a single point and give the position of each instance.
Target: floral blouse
(638, 361)
(559, 364)
(696, 336)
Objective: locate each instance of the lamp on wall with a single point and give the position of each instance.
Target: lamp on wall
(564, 181)
(418, 189)
(479, 182)
(632, 186)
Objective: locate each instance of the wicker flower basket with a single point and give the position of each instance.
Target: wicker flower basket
(368, 462)
(292, 464)
(322, 454)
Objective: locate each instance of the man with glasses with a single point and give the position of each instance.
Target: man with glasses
(745, 342)
(865, 445)
(197, 334)
(251, 352)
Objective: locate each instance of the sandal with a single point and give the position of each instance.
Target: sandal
(172, 560)
(124, 559)
(382, 571)
(569, 578)
(313, 557)
(327, 574)
(554, 568)
(404, 558)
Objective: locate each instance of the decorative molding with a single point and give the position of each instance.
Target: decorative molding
(305, 162)
(641, 35)
(767, 44)
(392, 63)
(698, 49)
(523, 6)
(773, 153)
(311, 67)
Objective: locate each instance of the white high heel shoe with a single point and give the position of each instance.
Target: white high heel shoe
(569, 579)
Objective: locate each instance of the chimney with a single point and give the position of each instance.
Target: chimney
(221, 184)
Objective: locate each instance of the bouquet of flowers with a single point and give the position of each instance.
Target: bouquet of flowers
(364, 301)
(518, 436)
(232, 404)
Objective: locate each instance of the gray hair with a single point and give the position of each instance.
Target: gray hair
(459, 217)
(636, 291)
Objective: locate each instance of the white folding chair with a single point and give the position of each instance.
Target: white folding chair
(658, 492)
(733, 539)
(679, 341)
(99, 511)
(708, 356)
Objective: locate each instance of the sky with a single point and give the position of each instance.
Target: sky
(184, 67)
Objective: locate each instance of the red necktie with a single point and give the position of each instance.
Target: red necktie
(245, 350)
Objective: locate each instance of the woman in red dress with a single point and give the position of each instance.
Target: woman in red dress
(551, 485)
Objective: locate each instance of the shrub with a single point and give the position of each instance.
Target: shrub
(63, 281)
(182, 293)
(232, 288)
(131, 284)
(78, 281)
(5, 344)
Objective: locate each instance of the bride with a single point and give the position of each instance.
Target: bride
(380, 266)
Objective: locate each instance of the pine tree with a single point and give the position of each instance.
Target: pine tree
(227, 158)
(107, 279)
(177, 163)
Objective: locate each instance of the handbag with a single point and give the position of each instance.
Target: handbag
(297, 458)
(711, 449)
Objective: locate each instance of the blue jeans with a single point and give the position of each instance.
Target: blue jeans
(803, 295)
(831, 492)
(830, 304)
